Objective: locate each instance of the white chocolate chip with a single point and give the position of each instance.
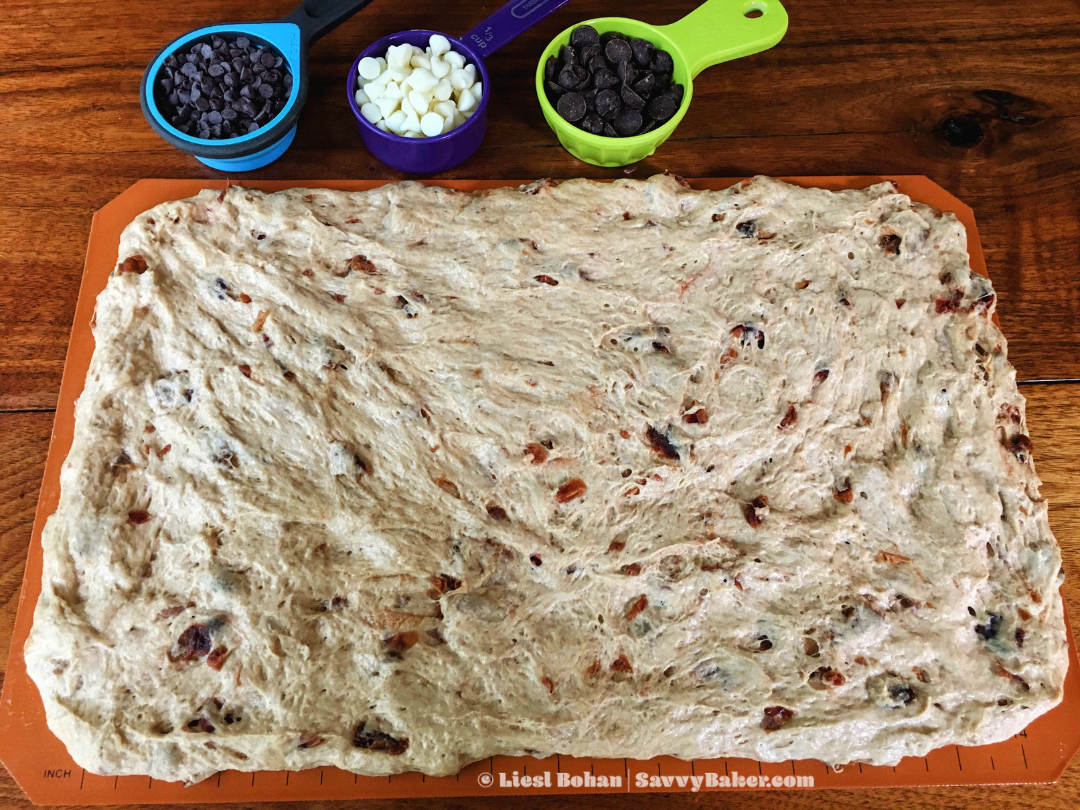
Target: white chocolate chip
(439, 44)
(440, 68)
(371, 112)
(466, 102)
(431, 124)
(396, 122)
(368, 68)
(418, 93)
(459, 79)
(419, 101)
(388, 105)
(423, 80)
(443, 90)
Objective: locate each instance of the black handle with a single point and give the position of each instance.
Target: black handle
(316, 18)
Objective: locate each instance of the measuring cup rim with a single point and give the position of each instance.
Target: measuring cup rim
(223, 148)
(352, 85)
(606, 140)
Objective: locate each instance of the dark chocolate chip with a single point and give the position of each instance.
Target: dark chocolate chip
(650, 125)
(590, 100)
(266, 91)
(567, 55)
(553, 89)
(597, 64)
(630, 98)
(646, 85)
(625, 71)
(569, 78)
(551, 69)
(618, 50)
(269, 60)
(610, 35)
(662, 62)
(608, 104)
(609, 131)
(592, 123)
(214, 117)
(627, 122)
(605, 79)
(571, 107)
(589, 51)
(584, 35)
(661, 108)
(676, 92)
(642, 50)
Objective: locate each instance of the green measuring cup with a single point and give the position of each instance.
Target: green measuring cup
(718, 31)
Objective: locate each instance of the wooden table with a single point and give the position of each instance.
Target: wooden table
(980, 95)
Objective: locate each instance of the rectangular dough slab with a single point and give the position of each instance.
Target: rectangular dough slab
(401, 479)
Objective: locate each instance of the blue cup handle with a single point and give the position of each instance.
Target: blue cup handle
(509, 22)
(317, 18)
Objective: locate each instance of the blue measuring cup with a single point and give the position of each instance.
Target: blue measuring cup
(290, 37)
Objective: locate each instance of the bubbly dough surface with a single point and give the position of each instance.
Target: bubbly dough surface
(401, 479)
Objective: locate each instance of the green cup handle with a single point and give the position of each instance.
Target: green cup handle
(720, 31)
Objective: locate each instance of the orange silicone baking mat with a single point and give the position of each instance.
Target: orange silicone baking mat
(43, 768)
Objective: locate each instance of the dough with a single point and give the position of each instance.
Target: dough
(401, 479)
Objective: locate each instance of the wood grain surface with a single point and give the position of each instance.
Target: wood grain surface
(980, 95)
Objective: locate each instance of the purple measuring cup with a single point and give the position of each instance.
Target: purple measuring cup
(442, 152)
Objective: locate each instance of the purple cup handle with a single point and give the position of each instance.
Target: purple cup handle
(509, 22)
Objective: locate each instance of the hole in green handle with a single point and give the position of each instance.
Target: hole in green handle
(754, 10)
